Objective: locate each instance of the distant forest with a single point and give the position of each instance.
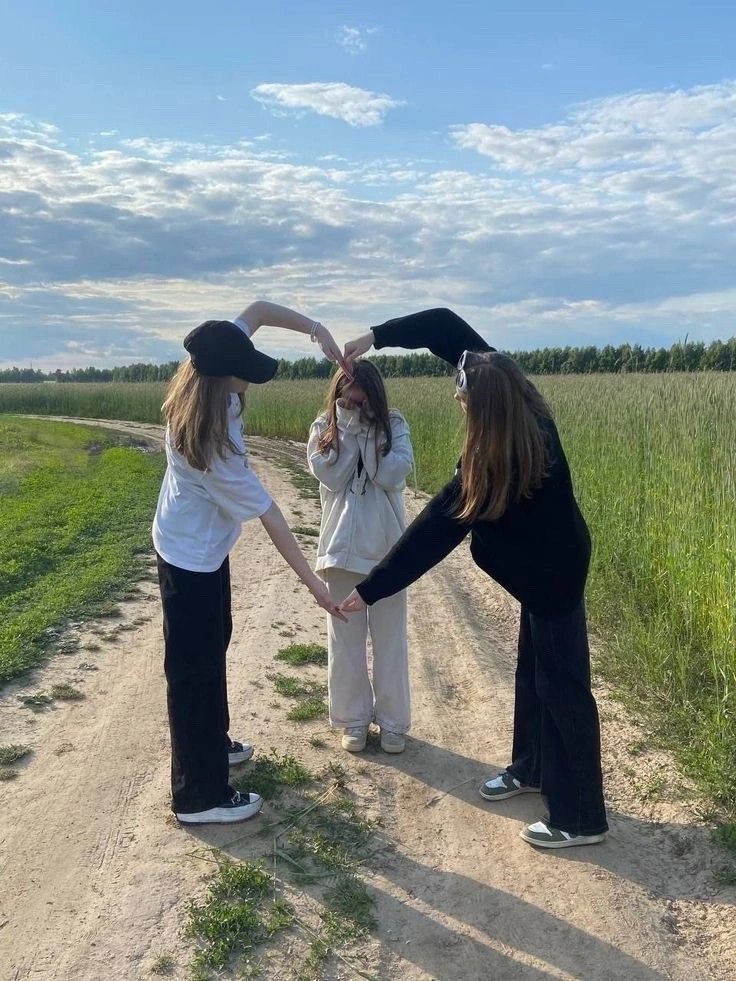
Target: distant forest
(688, 356)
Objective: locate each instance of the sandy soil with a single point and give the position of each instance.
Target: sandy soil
(95, 875)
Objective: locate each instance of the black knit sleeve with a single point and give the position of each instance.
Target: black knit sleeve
(429, 538)
(440, 330)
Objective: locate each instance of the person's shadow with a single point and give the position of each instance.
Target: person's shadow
(641, 851)
(455, 928)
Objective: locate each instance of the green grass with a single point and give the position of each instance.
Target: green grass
(75, 512)
(7, 773)
(234, 914)
(36, 700)
(296, 654)
(163, 965)
(317, 847)
(351, 909)
(307, 709)
(725, 835)
(292, 687)
(67, 693)
(12, 753)
(305, 530)
(270, 775)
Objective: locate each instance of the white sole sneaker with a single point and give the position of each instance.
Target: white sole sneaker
(542, 836)
(241, 755)
(504, 786)
(393, 742)
(227, 814)
(354, 739)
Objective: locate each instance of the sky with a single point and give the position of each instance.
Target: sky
(557, 174)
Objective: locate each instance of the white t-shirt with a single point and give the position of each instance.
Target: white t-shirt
(200, 513)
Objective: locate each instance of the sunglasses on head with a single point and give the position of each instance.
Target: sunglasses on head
(461, 378)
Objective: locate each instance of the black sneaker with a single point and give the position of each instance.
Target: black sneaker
(503, 786)
(239, 807)
(239, 752)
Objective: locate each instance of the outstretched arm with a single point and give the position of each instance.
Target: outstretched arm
(428, 539)
(263, 313)
(442, 331)
(278, 531)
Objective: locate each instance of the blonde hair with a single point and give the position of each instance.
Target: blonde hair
(196, 410)
(505, 455)
(371, 381)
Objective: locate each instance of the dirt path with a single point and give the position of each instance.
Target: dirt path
(95, 875)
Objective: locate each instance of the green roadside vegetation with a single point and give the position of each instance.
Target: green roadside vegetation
(75, 515)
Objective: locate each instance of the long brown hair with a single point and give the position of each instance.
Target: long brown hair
(196, 410)
(505, 455)
(370, 380)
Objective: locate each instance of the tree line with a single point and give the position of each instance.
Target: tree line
(687, 356)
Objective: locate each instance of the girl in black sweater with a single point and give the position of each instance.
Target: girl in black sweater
(513, 493)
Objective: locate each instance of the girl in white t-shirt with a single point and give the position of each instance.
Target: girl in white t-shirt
(207, 493)
(361, 453)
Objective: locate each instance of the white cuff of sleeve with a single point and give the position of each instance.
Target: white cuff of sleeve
(239, 322)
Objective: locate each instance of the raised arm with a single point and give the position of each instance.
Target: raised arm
(262, 313)
(442, 331)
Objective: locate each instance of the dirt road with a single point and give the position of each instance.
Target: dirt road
(95, 875)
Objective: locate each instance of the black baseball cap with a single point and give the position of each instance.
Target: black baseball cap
(219, 347)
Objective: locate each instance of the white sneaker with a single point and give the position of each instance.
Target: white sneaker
(239, 752)
(354, 739)
(392, 742)
(504, 786)
(240, 807)
(543, 836)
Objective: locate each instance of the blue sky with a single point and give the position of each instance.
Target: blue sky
(558, 176)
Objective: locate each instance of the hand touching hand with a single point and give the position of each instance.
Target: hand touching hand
(331, 350)
(321, 594)
(353, 603)
(354, 349)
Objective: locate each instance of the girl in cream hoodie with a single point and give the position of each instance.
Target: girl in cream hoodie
(361, 453)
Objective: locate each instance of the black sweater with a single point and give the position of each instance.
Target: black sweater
(539, 549)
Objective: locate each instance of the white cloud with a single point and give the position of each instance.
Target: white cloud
(354, 39)
(121, 250)
(637, 130)
(355, 106)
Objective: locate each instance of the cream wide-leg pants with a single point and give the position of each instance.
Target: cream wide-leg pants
(353, 700)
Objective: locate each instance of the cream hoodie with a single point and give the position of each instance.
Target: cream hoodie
(361, 491)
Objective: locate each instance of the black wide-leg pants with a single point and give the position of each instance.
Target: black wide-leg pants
(557, 741)
(197, 629)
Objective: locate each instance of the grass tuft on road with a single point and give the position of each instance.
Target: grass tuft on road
(306, 875)
(290, 686)
(307, 709)
(269, 775)
(12, 753)
(296, 654)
